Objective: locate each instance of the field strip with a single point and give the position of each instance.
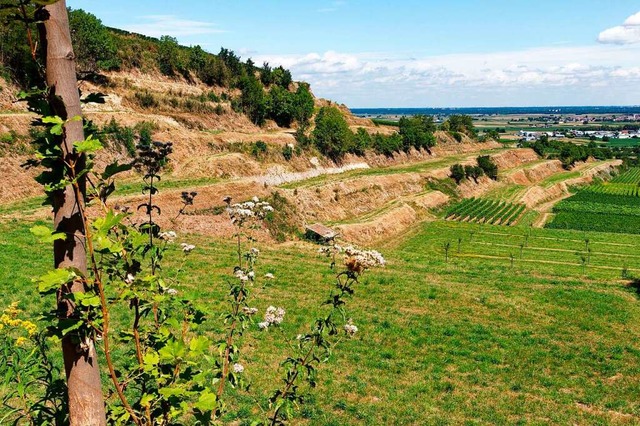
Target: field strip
(555, 249)
(506, 234)
(550, 262)
(558, 239)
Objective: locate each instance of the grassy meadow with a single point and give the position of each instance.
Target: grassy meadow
(513, 329)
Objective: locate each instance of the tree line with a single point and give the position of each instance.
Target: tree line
(333, 138)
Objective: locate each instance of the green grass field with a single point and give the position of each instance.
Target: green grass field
(512, 330)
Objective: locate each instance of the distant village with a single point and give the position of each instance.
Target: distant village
(603, 135)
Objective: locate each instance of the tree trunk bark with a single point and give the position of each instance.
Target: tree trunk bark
(86, 405)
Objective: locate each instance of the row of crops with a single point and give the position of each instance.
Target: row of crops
(484, 210)
(595, 210)
(631, 176)
(627, 189)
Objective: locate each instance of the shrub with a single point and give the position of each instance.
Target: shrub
(457, 136)
(146, 99)
(287, 152)
(258, 148)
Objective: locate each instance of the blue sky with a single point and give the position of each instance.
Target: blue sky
(417, 53)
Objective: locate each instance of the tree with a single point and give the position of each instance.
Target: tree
(461, 123)
(86, 406)
(303, 104)
(282, 77)
(281, 106)
(457, 173)
(475, 173)
(253, 100)
(361, 141)
(487, 165)
(198, 61)
(332, 135)
(94, 47)
(417, 132)
(169, 61)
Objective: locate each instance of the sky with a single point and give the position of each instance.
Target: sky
(416, 53)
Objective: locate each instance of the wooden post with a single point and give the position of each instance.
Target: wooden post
(86, 405)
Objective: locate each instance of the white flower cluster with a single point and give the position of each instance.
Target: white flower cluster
(187, 248)
(358, 260)
(330, 250)
(238, 368)
(350, 328)
(249, 311)
(241, 212)
(167, 236)
(355, 259)
(172, 291)
(272, 316)
(242, 276)
(269, 276)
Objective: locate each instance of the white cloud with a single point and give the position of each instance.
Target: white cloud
(633, 20)
(159, 25)
(627, 33)
(558, 75)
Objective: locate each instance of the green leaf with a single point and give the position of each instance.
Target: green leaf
(89, 145)
(206, 402)
(87, 299)
(150, 360)
(104, 224)
(168, 392)
(55, 279)
(45, 235)
(53, 120)
(115, 168)
(172, 352)
(146, 399)
(199, 344)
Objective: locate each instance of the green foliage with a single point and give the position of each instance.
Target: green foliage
(417, 132)
(488, 166)
(332, 135)
(253, 100)
(460, 123)
(484, 210)
(123, 136)
(258, 149)
(457, 172)
(170, 61)
(34, 391)
(569, 153)
(287, 152)
(93, 45)
(303, 104)
(387, 145)
(361, 141)
(281, 77)
(281, 106)
(593, 209)
(490, 134)
(16, 61)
